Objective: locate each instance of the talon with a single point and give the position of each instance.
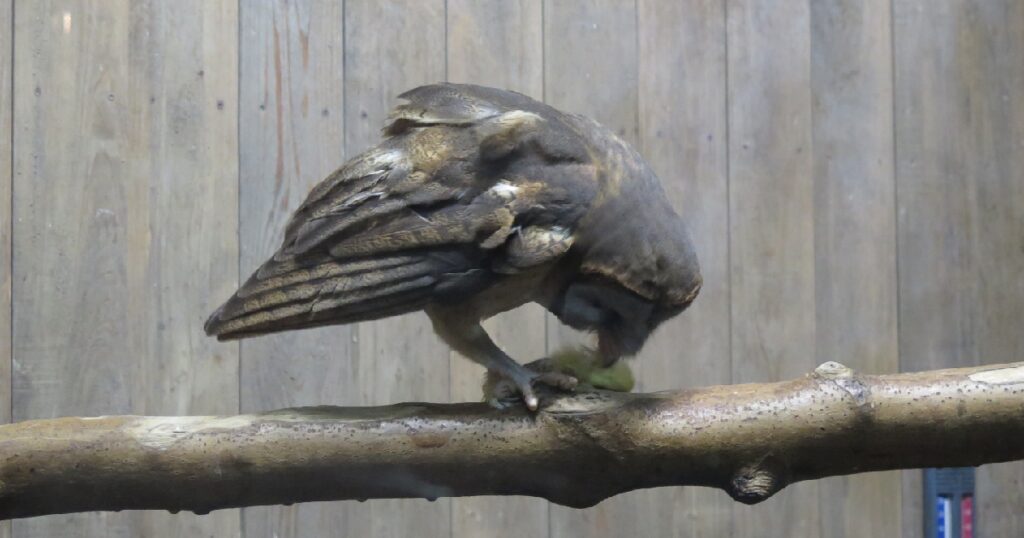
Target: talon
(531, 402)
(524, 386)
(521, 384)
(552, 379)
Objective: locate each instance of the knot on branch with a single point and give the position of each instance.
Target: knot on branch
(833, 370)
(755, 483)
(844, 377)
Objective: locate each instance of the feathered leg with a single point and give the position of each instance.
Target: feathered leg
(471, 340)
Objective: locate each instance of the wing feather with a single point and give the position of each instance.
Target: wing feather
(451, 199)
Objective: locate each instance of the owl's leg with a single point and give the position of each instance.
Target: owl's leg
(498, 389)
(471, 340)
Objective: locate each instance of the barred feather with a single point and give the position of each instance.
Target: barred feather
(360, 291)
(438, 207)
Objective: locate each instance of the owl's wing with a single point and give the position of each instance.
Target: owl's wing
(468, 184)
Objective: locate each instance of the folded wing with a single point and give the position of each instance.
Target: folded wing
(468, 184)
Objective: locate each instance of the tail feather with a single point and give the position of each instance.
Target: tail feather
(328, 293)
(323, 283)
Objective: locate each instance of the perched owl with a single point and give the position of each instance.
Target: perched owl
(476, 201)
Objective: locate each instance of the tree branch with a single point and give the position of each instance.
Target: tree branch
(749, 440)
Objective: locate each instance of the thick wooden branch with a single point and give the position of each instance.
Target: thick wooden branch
(750, 440)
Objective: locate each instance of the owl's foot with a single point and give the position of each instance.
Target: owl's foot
(524, 383)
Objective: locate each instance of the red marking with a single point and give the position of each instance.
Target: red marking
(967, 517)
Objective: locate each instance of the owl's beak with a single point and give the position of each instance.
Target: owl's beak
(617, 340)
(608, 346)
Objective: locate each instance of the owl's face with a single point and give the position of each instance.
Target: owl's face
(622, 319)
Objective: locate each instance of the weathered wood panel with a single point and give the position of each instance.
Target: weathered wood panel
(391, 46)
(855, 229)
(590, 68)
(771, 212)
(960, 178)
(682, 133)
(291, 128)
(125, 175)
(6, 151)
(498, 43)
(776, 121)
(996, 132)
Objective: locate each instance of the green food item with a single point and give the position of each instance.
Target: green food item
(584, 363)
(581, 362)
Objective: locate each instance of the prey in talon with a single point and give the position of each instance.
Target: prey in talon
(476, 201)
(583, 366)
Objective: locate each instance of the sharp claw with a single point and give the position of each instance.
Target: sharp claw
(531, 403)
(526, 389)
(520, 386)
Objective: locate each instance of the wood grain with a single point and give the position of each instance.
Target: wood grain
(392, 46)
(960, 174)
(772, 127)
(682, 133)
(771, 213)
(291, 127)
(125, 181)
(590, 67)
(587, 73)
(831, 421)
(855, 229)
(6, 153)
(498, 43)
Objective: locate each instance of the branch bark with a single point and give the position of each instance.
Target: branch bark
(749, 440)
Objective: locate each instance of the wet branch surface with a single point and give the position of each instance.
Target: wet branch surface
(749, 440)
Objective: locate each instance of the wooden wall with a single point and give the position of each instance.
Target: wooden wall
(852, 172)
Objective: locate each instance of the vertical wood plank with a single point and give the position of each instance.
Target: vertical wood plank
(590, 67)
(6, 153)
(960, 178)
(682, 133)
(498, 43)
(392, 46)
(771, 211)
(125, 177)
(291, 128)
(587, 72)
(189, 54)
(996, 92)
(855, 229)
(1000, 495)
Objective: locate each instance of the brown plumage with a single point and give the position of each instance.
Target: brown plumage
(476, 201)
